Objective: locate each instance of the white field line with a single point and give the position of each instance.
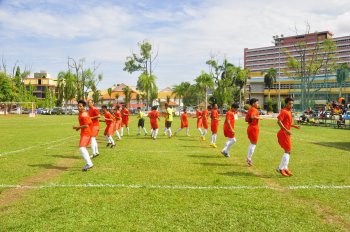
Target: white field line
(174, 187)
(38, 145)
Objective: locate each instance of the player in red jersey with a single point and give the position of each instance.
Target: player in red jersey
(285, 122)
(205, 116)
(154, 117)
(199, 120)
(125, 120)
(229, 126)
(85, 133)
(118, 121)
(184, 122)
(214, 125)
(252, 117)
(94, 114)
(109, 131)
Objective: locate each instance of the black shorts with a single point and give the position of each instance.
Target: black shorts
(168, 124)
(141, 122)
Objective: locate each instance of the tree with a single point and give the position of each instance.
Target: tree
(168, 99)
(180, 90)
(144, 63)
(127, 94)
(309, 61)
(109, 91)
(204, 82)
(117, 95)
(66, 82)
(6, 92)
(270, 78)
(241, 76)
(342, 74)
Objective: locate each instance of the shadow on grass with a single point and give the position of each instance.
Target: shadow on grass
(216, 164)
(49, 166)
(66, 156)
(238, 174)
(197, 146)
(204, 156)
(338, 145)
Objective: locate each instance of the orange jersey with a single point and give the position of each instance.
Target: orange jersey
(153, 116)
(117, 115)
(286, 118)
(252, 112)
(184, 120)
(214, 114)
(84, 119)
(205, 114)
(230, 118)
(93, 112)
(125, 114)
(108, 115)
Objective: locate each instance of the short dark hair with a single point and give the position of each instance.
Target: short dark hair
(209, 107)
(154, 107)
(139, 108)
(184, 109)
(117, 107)
(235, 105)
(82, 102)
(288, 99)
(252, 101)
(104, 107)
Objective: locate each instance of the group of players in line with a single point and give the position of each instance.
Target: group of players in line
(89, 127)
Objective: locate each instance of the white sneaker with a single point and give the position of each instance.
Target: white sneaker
(86, 167)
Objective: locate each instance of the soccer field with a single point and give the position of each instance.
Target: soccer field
(177, 184)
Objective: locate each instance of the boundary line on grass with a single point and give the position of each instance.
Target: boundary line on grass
(38, 145)
(175, 187)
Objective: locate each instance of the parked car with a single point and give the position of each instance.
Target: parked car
(57, 111)
(72, 111)
(262, 112)
(26, 111)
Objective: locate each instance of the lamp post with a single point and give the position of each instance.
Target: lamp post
(277, 41)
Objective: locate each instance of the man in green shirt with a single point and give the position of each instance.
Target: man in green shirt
(169, 119)
(141, 123)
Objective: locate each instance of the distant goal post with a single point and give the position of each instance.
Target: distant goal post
(18, 108)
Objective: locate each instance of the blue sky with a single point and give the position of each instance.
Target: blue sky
(40, 35)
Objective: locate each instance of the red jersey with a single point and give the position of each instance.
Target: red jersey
(230, 117)
(286, 118)
(205, 115)
(93, 111)
(252, 112)
(214, 114)
(198, 114)
(84, 119)
(118, 115)
(108, 115)
(153, 115)
(125, 114)
(184, 120)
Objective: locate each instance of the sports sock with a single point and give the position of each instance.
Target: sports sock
(144, 129)
(187, 131)
(138, 130)
(169, 132)
(156, 133)
(229, 143)
(178, 130)
(93, 145)
(111, 140)
(205, 132)
(200, 131)
(117, 134)
(127, 129)
(84, 152)
(214, 138)
(107, 139)
(284, 161)
(251, 149)
(122, 131)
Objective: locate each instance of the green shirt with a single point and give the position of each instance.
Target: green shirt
(140, 115)
(170, 114)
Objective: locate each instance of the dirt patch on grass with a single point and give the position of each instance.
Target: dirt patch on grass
(51, 172)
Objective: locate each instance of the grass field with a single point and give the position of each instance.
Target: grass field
(178, 184)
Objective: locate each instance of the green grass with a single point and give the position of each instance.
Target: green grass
(320, 156)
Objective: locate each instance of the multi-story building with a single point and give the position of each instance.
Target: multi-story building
(41, 82)
(325, 87)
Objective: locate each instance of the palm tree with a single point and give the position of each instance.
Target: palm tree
(270, 78)
(342, 75)
(117, 95)
(147, 84)
(241, 80)
(67, 86)
(168, 99)
(138, 98)
(181, 90)
(127, 94)
(204, 82)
